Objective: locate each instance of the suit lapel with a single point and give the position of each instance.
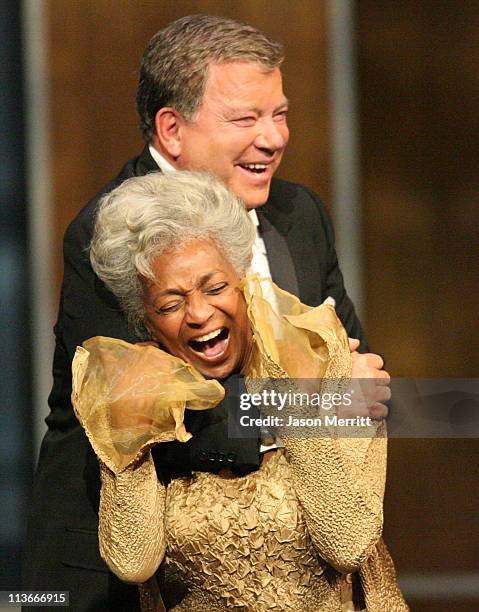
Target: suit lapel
(291, 243)
(273, 228)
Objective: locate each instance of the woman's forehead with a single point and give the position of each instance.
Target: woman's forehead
(191, 265)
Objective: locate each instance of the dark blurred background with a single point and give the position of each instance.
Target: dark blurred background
(384, 125)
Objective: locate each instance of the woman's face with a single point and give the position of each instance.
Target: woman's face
(196, 311)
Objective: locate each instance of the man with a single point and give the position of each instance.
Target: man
(210, 97)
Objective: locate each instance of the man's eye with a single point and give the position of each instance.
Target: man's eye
(216, 289)
(281, 116)
(245, 121)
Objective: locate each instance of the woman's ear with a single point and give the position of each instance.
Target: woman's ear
(167, 125)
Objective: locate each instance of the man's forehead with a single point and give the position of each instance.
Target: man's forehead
(230, 69)
(239, 107)
(240, 78)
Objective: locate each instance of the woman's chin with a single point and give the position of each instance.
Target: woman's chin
(218, 372)
(218, 369)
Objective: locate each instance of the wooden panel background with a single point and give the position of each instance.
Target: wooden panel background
(418, 90)
(95, 51)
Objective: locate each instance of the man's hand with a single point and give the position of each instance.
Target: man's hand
(370, 385)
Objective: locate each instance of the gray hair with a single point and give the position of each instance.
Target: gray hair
(146, 216)
(174, 68)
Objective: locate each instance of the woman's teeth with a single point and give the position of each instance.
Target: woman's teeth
(209, 336)
(211, 344)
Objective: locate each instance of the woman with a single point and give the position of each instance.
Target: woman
(303, 532)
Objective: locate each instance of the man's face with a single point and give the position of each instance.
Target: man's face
(239, 132)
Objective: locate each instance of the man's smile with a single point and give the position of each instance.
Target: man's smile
(257, 173)
(256, 168)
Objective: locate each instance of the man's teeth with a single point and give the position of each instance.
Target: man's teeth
(255, 166)
(209, 336)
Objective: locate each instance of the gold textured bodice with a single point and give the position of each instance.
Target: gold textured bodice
(290, 536)
(243, 540)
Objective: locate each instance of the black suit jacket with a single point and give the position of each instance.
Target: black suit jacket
(62, 543)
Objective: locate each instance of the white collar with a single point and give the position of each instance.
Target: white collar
(253, 216)
(163, 164)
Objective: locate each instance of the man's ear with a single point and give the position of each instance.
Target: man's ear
(167, 125)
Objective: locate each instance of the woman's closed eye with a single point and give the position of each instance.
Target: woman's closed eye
(216, 289)
(175, 305)
(170, 307)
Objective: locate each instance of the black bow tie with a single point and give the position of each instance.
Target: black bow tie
(216, 442)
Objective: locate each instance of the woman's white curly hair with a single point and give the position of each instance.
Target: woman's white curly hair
(146, 216)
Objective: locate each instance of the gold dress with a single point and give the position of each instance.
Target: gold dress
(294, 535)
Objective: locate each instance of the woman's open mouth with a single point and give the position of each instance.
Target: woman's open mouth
(211, 346)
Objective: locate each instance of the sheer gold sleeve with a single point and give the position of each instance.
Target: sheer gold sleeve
(339, 479)
(128, 398)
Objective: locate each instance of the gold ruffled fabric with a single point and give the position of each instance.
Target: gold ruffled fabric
(291, 536)
(292, 339)
(130, 396)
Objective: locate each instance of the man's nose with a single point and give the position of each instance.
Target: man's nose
(272, 135)
(198, 310)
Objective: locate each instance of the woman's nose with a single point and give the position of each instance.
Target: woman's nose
(198, 310)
